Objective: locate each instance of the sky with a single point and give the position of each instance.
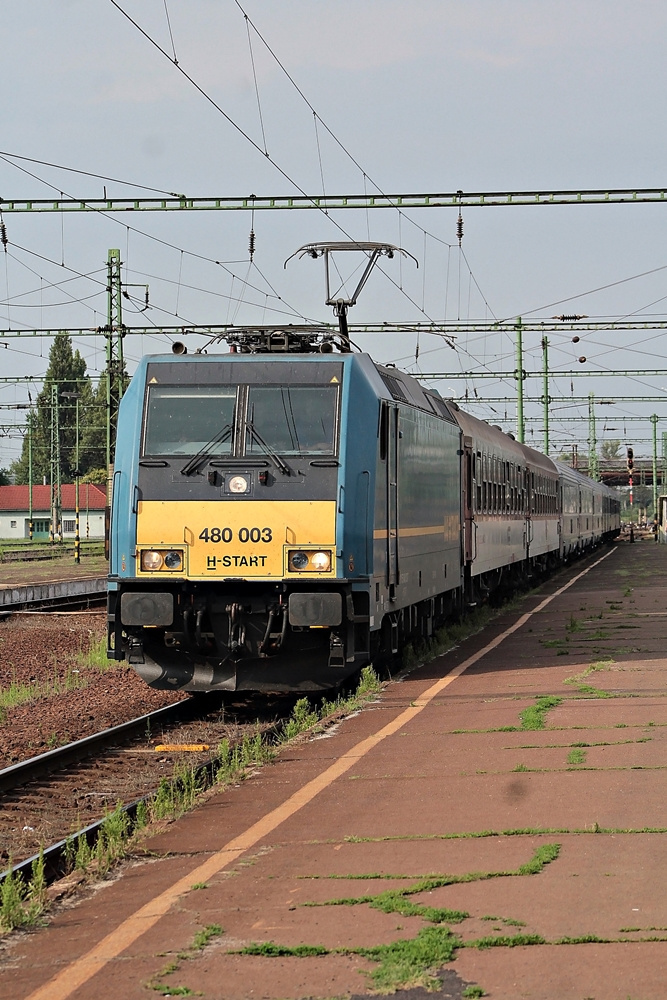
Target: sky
(214, 98)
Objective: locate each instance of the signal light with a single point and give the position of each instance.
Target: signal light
(631, 458)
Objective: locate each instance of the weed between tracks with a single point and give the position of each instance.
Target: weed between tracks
(22, 902)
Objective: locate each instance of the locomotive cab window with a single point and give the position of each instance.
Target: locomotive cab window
(292, 420)
(183, 420)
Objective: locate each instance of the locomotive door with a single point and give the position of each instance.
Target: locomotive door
(392, 496)
(469, 525)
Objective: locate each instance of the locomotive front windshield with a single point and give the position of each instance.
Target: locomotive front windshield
(294, 420)
(181, 420)
(288, 420)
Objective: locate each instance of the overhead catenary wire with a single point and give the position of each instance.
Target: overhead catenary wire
(245, 134)
(149, 236)
(85, 173)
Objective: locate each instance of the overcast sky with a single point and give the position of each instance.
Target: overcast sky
(424, 96)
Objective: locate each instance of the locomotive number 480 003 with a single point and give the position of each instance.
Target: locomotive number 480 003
(242, 535)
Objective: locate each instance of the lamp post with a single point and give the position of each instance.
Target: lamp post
(77, 473)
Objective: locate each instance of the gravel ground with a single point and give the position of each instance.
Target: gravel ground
(22, 574)
(47, 652)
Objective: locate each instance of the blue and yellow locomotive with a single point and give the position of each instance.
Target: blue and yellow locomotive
(283, 515)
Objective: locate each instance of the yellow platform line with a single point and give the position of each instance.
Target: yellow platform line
(84, 968)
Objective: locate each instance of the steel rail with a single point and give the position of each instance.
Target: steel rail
(37, 768)
(54, 857)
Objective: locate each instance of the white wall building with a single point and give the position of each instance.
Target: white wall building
(15, 511)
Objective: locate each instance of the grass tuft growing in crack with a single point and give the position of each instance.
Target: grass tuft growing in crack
(199, 942)
(396, 900)
(534, 717)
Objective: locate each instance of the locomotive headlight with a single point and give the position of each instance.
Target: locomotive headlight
(310, 561)
(153, 560)
(321, 561)
(238, 484)
(150, 560)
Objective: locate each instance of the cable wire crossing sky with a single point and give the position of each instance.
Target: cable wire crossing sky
(316, 101)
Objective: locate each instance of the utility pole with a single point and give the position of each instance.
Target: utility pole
(55, 466)
(114, 333)
(31, 523)
(545, 369)
(77, 534)
(519, 375)
(654, 422)
(592, 440)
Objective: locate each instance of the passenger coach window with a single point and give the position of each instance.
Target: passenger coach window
(294, 420)
(182, 420)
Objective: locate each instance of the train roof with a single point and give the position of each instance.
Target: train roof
(571, 475)
(495, 437)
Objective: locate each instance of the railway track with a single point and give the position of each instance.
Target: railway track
(66, 792)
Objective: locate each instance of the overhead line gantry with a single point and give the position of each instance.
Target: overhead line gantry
(257, 203)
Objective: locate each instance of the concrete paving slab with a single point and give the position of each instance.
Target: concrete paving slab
(424, 797)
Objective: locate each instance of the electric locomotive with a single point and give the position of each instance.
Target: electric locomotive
(256, 506)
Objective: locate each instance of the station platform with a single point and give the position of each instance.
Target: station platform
(494, 821)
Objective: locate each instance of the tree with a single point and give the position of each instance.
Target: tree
(93, 445)
(609, 449)
(56, 411)
(4, 477)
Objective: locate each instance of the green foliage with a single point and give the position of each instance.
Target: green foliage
(302, 718)
(11, 900)
(534, 716)
(269, 949)
(22, 903)
(502, 941)
(202, 937)
(543, 856)
(66, 373)
(98, 476)
(405, 963)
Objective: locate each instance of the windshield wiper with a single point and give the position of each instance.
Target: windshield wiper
(204, 453)
(268, 450)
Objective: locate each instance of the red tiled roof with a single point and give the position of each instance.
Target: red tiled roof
(16, 498)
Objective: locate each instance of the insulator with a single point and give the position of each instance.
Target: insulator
(251, 244)
(3, 235)
(575, 340)
(459, 229)
(582, 360)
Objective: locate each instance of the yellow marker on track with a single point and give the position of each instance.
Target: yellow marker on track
(181, 747)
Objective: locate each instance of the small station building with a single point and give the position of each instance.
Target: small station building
(15, 511)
